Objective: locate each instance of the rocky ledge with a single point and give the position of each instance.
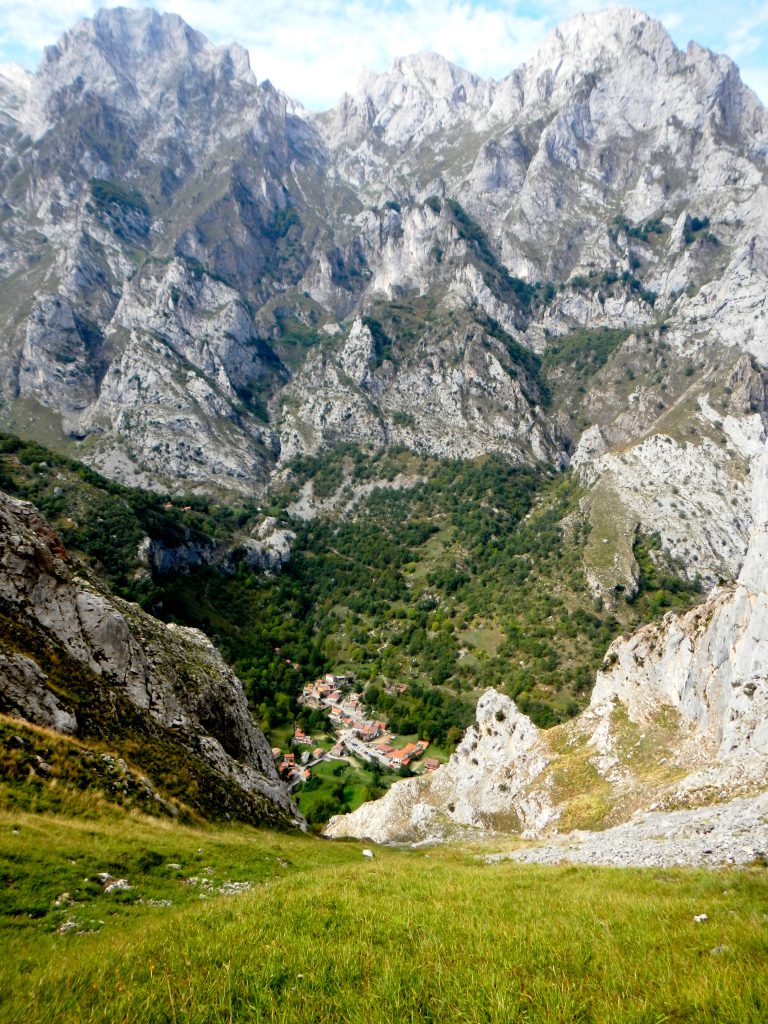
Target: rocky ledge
(731, 833)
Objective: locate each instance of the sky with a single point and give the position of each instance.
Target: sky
(314, 50)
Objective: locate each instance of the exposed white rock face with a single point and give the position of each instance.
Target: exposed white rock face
(687, 494)
(128, 340)
(357, 356)
(172, 674)
(754, 573)
(268, 548)
(732, 833)
(172, 221)
(590, 447)
(422, 95)
(144, 63)
(456, 395)
(271, 545)
(485, 785)
(694, 689)
(710, 665)
(347, 497)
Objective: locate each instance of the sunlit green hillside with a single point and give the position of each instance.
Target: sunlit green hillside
(233, 924)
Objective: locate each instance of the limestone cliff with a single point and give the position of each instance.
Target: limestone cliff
(76, 659)
(185, 253)
(678, 716)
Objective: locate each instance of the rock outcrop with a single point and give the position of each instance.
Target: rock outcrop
(268, 548)
(187, 256)
(678, 716)
(488, 785)
(455, 394)
(171, 676)
(710, 666)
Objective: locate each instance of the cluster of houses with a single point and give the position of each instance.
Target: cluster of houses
(367, 739)
(291, 771)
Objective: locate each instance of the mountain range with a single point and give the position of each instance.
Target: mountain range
(208, 291)
(203, 281)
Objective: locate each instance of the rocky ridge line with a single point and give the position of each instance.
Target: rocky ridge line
(179, 239)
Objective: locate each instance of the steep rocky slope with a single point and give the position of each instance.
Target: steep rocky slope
(185, 253)
(677, 718)
(81, 662)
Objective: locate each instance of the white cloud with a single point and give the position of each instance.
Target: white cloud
(315, 49)
(747, 34)
(757, 80)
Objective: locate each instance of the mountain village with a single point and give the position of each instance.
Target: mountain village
(356, 736)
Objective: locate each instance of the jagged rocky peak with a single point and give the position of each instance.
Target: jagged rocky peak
(417, 96)
(136, 46)
(182, 214)
(623, 44)
(632, 53)
(427, 85)
(139, 61)
(600, 40)
(483, 786)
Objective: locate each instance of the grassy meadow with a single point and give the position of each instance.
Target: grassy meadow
(326, 935)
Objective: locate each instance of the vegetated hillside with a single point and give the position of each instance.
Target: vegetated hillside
(457, 576)
(472, 284)
(124, 918)
(445, 576)
(449, 576)
(677, 720)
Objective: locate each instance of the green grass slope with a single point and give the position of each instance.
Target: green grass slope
(326, 936)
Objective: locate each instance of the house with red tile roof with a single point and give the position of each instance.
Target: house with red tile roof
(405, 755)
(368, 731)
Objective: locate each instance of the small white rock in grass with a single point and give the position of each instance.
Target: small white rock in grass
(233, 888)
(368, 854)
(118, 885)
(700, 918)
